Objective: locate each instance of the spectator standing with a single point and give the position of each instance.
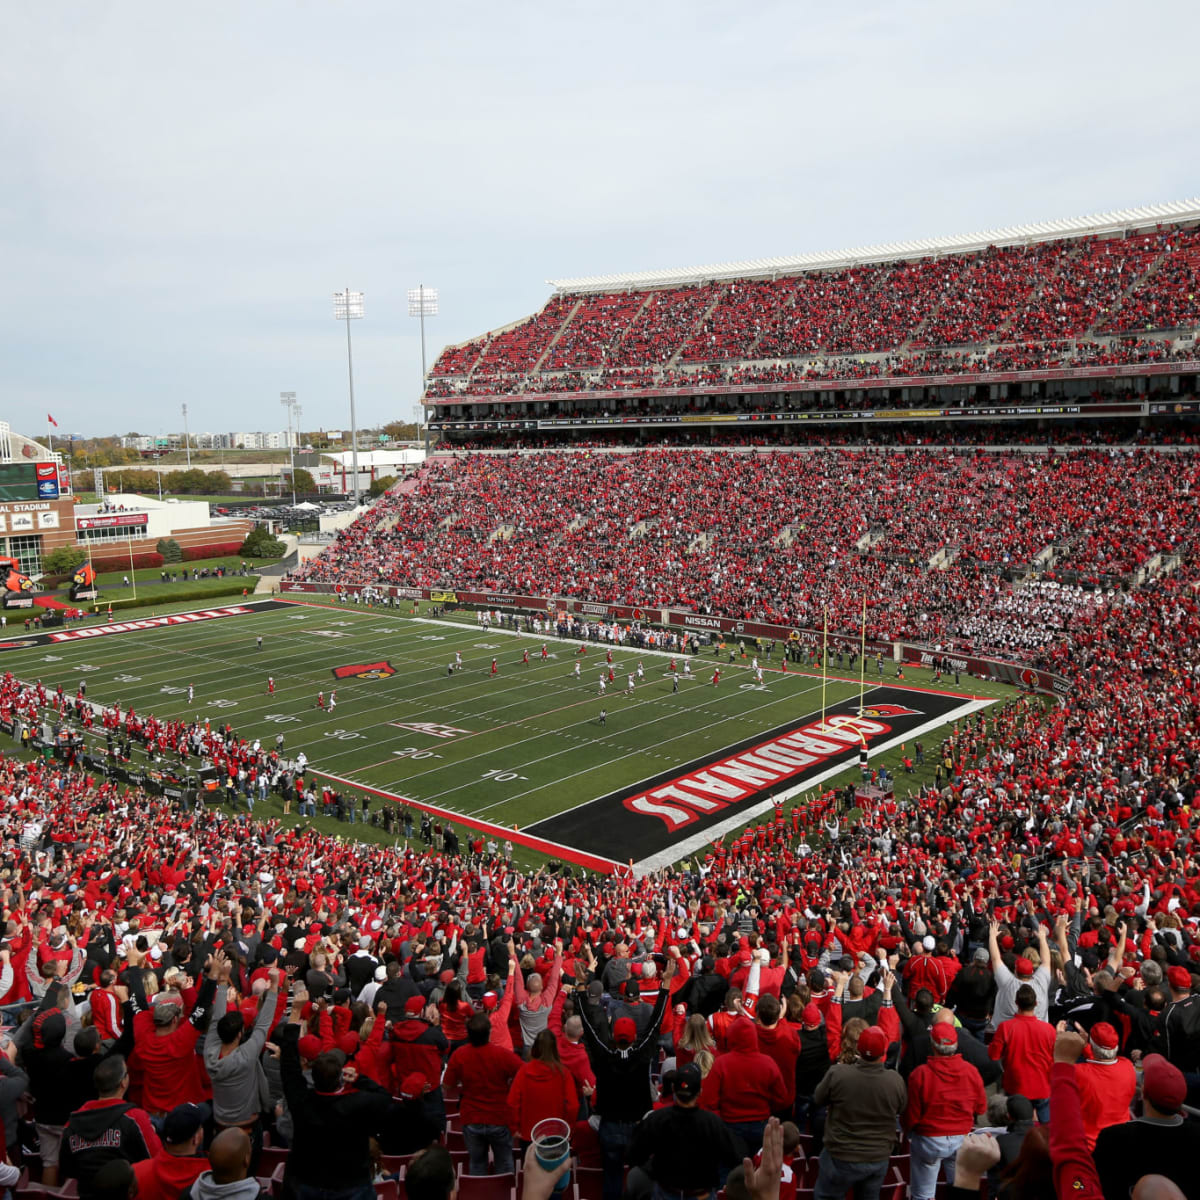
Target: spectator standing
(683, 1147)
(46, 1061)
(535, 1000)
(1007, 982)
(1107, 1082)
(228, 1176)
(1025, 1046)
(165, 1043)
(945, 1095)
(543, 1088)
(334, 1120)
(232, 1053)
(744, 1086)
(864, 1099)
(106, 1129)
(484, 1072)
(621, 1061)
(1160, 1138)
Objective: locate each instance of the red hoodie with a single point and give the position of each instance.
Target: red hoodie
(166, 1176)
(744, 1084)
(539, 1091)
(944, 1095)
(782, 1043)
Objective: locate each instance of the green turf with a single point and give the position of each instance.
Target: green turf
(529, 743)
(149, 584)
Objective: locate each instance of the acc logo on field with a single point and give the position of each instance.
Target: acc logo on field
(889, 710)
(16, 645)
(376, 670)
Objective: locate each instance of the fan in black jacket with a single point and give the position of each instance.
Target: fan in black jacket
(106, 1129)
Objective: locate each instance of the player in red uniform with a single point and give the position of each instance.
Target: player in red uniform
(270, 685)
(494, 666)
(716, 676)
(525, 656)
(320, 699)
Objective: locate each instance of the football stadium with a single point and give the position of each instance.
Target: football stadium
(748, 751)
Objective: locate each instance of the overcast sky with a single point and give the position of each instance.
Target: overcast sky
(186, 185)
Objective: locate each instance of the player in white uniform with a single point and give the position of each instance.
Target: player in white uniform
(640, 673)
(629, 686)
(576, 668)
(603, 685)
(687, 668)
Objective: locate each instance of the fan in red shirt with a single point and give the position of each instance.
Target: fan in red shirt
(1025, 1046)
(485, 1072)
(945, 1094)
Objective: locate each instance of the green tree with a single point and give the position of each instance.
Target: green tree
(304, 482)
(381, 485)
(64, 560)
(260, 544)
(132, 479)
(170, 549)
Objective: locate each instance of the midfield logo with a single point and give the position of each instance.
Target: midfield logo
(377, 670)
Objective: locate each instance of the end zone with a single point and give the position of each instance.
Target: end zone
(682, 810)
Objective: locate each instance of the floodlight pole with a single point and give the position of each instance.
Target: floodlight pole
(187, 441)
(348, 306)
(288, 400)
(423, 302)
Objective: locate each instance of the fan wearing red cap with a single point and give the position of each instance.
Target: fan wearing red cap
(1180, 981)
(1162, 1143)
(945, 1094)
(416, 1044)
(864, 1100)
(1023, 971)
(1107, 1082)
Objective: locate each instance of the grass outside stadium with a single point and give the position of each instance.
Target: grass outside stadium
(520, 752)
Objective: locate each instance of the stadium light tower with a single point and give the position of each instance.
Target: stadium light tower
(288, 400)
(423, 302)
(187, 441)
(348, 306)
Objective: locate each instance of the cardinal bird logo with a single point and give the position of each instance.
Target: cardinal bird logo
(376, 670)
(889, 710)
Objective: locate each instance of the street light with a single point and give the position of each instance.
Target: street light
(288, 400)
(348, 306)
(423, 302)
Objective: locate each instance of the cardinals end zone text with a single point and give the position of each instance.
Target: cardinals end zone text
(741, 776)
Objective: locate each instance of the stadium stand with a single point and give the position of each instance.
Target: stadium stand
(834, 992)
(1035, 317)
(953, 534)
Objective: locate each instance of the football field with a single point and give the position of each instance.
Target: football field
(597, 779)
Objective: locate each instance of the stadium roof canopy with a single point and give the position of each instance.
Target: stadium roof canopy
(1044, 231)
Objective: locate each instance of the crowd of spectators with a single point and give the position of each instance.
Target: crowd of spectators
(1004, 308)
(936, 540)
(844, 997)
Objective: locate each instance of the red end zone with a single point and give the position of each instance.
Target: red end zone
(580, 858)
